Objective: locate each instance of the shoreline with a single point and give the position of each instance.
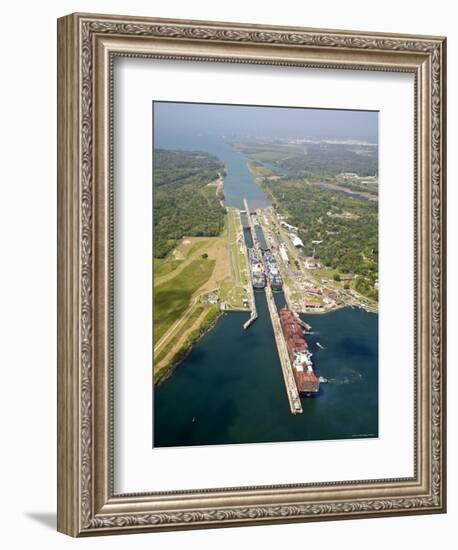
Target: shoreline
(345, 306)
(166, 372)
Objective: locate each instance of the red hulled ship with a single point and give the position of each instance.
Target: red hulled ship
(300, 356)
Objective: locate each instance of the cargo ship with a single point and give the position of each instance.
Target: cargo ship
(273, 273)
(308, 383)
(258, 277)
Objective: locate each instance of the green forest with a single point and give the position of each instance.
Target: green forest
(346, 228)
(317, 160)
(184, 204)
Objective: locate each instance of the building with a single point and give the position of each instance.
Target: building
(312, 305)
(211, 298)
(297, 242)
(311, 263)
(315, 291)
(288, 226)
(347, 175)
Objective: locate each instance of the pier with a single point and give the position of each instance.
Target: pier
(254, 312)
(252, 319)
(288, 377)
(287, 370)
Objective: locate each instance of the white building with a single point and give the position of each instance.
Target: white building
(288, 226)
(347, 175)
(296, 240)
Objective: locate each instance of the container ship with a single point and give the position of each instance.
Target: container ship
(275, 280)
(307, 381)
(258, 276)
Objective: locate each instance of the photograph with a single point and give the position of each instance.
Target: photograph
(251, 271)
(265, 274)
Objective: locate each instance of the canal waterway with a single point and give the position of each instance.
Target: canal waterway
(238, 182)
(230, 389)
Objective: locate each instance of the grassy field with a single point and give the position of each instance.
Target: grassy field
(188, 247)
(166, 360)
(164, 266)
(158, 357)
(173, 298)
(232, 289)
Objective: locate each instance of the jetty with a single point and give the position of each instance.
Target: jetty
(254, 312)
(287, 370)
(288, 377)
(252, 319)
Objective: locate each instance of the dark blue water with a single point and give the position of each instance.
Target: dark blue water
(231, 384)
(230, 388)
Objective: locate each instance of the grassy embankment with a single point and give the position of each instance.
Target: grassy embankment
(173, 297)
(233, 290)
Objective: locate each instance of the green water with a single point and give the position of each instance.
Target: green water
(230, 388)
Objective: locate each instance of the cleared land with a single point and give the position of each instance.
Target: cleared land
(181, 257)
(172, 298)
(234, 289)
(201, 319)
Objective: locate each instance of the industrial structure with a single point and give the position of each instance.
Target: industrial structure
(282, 348)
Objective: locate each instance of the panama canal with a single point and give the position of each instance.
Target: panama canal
(229, 388)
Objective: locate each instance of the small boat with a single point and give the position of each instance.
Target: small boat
(323, 380)
(193, 419)
(320, 346)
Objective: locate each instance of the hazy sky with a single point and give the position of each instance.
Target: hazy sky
(233, 121)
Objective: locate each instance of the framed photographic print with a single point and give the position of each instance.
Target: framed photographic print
(251, 281)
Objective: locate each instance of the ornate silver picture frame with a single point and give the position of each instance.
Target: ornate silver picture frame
(87, 47)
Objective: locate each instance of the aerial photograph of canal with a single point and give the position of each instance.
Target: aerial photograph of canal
(265, 274)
